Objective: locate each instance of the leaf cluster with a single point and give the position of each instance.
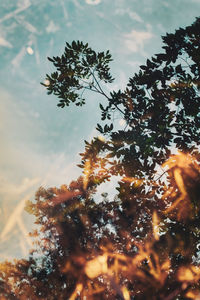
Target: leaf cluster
(78, 69)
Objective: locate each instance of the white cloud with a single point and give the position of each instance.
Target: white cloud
(22, 6)
(52, 27)
(65, 12)
(18, 58)
(14, 218)
(132, 14)
(5, 43)
(135, 40)
(93, 2)
(10, 190)
(23, 3)
(28, 26)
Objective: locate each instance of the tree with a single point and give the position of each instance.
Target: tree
(146, 240)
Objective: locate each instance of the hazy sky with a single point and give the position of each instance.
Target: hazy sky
(40, 142)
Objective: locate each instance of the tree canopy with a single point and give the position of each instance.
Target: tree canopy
(144, 243)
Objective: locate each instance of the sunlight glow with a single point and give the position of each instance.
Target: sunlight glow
(29, 50)
(101, 138)
(46, 82)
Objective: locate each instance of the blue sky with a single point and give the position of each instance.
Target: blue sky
(40, 142)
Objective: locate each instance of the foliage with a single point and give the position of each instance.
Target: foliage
(146, 240)
(76, 71)
(160, 104)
